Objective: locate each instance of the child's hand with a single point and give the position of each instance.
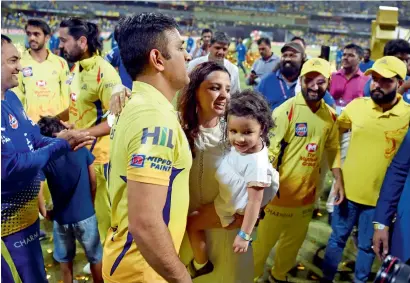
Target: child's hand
(240, 245)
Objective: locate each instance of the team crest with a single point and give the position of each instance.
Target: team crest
(27, 72)
(70, 79)
(54, 72)
(137, 160)
(301, 130)
(14, 124)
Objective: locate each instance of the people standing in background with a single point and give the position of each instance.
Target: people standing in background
(54, 43)
(299, 40)
(367, 63)
(339, 55)
(91, 84)
(263, 65)
(217, 53)
(202, 44)
(189, 43)
(305, 127)
(24, 152)
(348, 83)
(383, 120)
(399, 48)
(241, 50)
(114, 58)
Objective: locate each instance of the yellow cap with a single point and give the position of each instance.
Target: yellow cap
(317, 65)
(388, 67)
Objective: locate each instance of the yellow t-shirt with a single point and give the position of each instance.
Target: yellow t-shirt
(376, 137)
(148, 145)
(91, 84)
(43, 88)
(297, 144)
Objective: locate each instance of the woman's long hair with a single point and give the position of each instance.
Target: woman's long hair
(187, 103)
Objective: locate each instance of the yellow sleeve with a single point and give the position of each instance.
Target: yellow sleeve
(332, 147)
(110, 80)
(151, 148)
(64, 84)
(344, 119)
(277, 134)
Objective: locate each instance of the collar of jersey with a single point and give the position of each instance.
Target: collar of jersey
(147, 90)
(397, 110)
(28, 56)
(300, 100)
(89, 63)
(280, 77)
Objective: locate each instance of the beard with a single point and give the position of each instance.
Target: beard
(380, 97)
(39, 46)
(289, 69)
(320, 93)
(74, 56)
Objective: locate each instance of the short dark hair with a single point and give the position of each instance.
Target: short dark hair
(264, 40)
(138, 35)
(78, 27)
(299, 38)
(357, 48)
(188, 102)
(396, 46)
(220, 37)
(50, 125)
(5, 39)
(39, 24)
(206, 30)
(367, 49)
(249, 103)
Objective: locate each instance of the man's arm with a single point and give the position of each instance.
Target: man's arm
(236, 83)
(64, 87)
(150, 233)
(99, 130)
(93, 182)
(63, 116)
(278, 132)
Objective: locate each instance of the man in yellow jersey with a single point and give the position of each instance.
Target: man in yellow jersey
(378, 125)
(43, 87)
(150, 158)
(91, 83)
(305, 127)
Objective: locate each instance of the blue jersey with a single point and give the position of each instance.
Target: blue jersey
(241, 49)
(54, 42)
(189, 44)
(115, 60)
(68, 188)
(24, 152)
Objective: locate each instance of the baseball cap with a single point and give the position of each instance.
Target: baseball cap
(293, 45)
(388, 67)
(318, 65)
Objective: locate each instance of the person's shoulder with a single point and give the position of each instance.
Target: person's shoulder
(58, 59)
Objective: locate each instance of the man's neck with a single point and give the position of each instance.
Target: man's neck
(313, 105)
(3, 93)
(207, 120)
(160, 84)
(349, 72)
(39, 55)
(212, 59)
(388, 106)
(267, 57)
(290, 78)
(366, 60)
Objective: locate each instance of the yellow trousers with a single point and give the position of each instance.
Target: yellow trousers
(102, 203)
(285, 229)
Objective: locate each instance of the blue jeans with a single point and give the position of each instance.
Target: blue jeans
(344, 217)
(86, 232)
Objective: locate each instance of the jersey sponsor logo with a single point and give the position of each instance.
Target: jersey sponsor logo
(4, 139)
(110, 85)
(159, 163)
(73, 96)
(137, 160)
(70, 79)
(84, 87)
(27, 72)
(311, 147)
(14, 124)
(41, 83)
(301, 130)
(158, 136)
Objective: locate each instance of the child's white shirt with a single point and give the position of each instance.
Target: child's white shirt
(235, 174)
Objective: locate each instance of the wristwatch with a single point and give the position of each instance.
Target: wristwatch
(379, 226)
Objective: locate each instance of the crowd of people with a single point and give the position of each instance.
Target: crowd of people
(158, 194)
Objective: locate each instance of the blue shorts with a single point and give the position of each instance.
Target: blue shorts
(25, 251)
(86, 232)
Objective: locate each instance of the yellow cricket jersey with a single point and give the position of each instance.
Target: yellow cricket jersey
(43, 88)
(376, 137)
(91, 84)
(297, 144)
(148, 145)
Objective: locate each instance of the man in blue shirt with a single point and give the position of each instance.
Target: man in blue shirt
(401, 49)
(279, 86)
(54, 43)
(394, 202)
(367, 63)
(189, 43)
(241, 50)
(114, 58)
(24, 152)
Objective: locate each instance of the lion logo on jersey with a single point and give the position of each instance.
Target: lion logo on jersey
(14, 124)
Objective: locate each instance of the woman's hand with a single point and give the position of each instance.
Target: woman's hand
(240, 245)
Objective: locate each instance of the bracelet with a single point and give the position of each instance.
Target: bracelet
(244, 236)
